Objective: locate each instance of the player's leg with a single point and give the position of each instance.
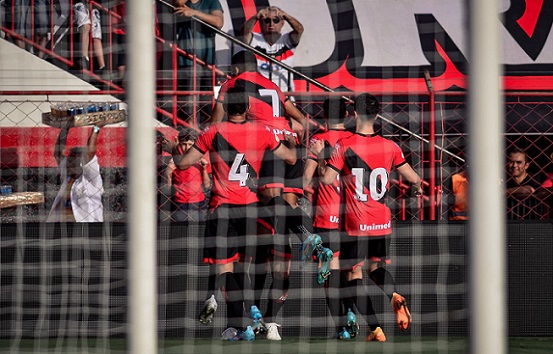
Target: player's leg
(378, 258)
(226, 253)
(352, 255)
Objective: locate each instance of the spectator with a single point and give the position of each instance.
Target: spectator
(199, 40)
(272, 42)
(80, 196)
(363, 162)
(521, 186)
(188, 185)
(119, 40)
(81, 11)
(23, 25)
(519, 183)
(459, 187)
(20, 20)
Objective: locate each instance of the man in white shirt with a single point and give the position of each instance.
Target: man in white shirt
(273, 43)
(80, 196)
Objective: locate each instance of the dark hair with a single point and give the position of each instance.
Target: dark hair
(366, 105)
(188, 134)
(517, 150)
(78, 151)
(236, 101)
(334, 109)
(244, 61)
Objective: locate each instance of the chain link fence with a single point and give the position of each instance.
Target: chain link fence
(28, 164)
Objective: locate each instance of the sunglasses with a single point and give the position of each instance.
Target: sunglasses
(274, 20)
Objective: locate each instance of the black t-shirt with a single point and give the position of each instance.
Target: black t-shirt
(534, 182)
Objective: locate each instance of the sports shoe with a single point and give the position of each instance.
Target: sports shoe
(230, 333)
(324, 256)
(256, 316)
(352, 325)
(272, 331)
(210, 306)
(376, 336)
(312, 243)
(403, 315)
(344, 335)
(248, 334)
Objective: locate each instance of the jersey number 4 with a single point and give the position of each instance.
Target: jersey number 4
(377, 182)
(239, 170)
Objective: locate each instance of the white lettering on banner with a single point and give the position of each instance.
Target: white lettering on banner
(375, 227)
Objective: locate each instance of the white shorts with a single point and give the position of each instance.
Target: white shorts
(82, 17)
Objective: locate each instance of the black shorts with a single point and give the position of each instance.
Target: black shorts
(355, 249)
(275, 173)
(331, 239)
(278, 245)
(229, 229)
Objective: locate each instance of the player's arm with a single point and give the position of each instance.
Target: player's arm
(182, 161)
(329, 175)
(217, 114)
(169, 172)
(288, 154)
(407, 172)
(293, 112)
(206, 181)
(308, 172)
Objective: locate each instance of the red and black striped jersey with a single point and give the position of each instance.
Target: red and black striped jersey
(236, 151)
(326, 199)
(364, 163)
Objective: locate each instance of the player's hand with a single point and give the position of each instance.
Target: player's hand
(203, 162)
(168, 145)
(317, 146)
(291, 139)
(416, 190)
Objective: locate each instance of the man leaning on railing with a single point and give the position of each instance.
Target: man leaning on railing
(522, 201)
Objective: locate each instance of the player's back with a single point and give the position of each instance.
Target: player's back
(236, 151)
(266, 100)
(365, 162)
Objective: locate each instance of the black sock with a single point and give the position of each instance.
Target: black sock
(363, 302)
(346, 293)
(333, 300)
(233, 298)
(243, 280)
(298, 222)
(384, 280)
(278, 293)
(211, 281)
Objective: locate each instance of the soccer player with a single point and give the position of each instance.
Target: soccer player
(279, 184)
(232, 219)
(326, 210)
(364, 162)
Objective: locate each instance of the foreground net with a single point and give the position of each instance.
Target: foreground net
(64, 289)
